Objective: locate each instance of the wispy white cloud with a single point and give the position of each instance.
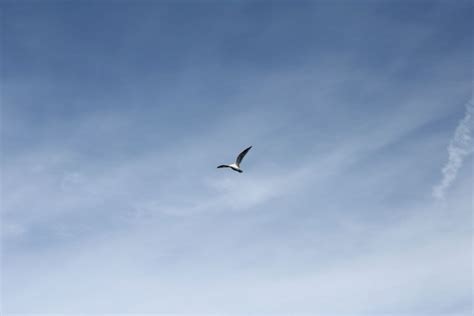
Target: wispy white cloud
(459, 148)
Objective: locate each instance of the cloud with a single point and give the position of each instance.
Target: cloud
(218, 265)
(459, 148)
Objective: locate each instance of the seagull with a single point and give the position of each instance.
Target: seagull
(236, 166)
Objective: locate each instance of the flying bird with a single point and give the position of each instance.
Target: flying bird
(236, 166)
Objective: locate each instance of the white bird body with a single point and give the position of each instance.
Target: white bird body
(236, 166)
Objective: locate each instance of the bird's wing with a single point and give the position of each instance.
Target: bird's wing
(223, 166)
(241, 156)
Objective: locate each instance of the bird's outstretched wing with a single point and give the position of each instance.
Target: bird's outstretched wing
(241, 156)
(223, 166)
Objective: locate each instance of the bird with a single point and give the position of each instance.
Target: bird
(236, 166)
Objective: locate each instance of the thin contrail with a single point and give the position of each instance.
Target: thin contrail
(459, 148)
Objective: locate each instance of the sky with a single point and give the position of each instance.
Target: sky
(356, 198)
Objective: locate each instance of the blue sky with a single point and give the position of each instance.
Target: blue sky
(356, 198)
